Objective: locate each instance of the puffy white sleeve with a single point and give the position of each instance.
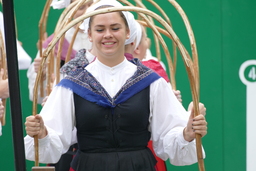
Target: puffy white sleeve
(24, 59)
(167, 119)
(59, 119)
(31, 75)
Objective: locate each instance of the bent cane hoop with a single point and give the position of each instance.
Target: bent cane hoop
(158, 38)
(187, 60)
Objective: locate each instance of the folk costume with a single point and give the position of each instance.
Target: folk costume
(115, 110)
(81, 60)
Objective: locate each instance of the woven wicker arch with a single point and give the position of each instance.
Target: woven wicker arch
(192, 73)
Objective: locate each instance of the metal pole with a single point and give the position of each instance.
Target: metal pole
(14, 87)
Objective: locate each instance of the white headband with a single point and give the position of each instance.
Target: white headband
(132, 27)
(138, 34)
(59, 4)
(129, 18)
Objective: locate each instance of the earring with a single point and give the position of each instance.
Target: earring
(128, 36)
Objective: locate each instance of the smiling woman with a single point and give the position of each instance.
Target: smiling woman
(116, 106)
(108, 33)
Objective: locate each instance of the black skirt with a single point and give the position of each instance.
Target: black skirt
(138, 160)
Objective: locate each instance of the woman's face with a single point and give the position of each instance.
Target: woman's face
(82, 9)
(143, 44)
(108, 33)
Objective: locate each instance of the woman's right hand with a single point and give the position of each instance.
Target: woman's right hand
(178, 95)
(4, 86)
(44, 100)
(2, 110)
(34, 125)
(37, 62)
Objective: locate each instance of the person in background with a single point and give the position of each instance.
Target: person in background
(24, 61)
(116, 106)
(139, 48)
(79, 43)
(152, 62)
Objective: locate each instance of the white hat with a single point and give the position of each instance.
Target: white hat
(138, 34)
(59, 4)
(129, 18)
(132, 27)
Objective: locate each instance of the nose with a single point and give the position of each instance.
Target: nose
(108, 34)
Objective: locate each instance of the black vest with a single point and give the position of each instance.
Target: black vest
(120, 128)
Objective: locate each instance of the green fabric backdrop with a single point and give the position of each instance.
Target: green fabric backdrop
(225, 35)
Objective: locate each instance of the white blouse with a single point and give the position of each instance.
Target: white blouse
(167, 118)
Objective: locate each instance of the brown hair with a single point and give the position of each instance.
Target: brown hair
(106, 6)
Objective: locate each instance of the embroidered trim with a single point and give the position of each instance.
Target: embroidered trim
(79, 61)
(82, 82)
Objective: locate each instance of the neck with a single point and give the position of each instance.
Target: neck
(92, 51)
(111, 60)
(135, 55)
(128, 49)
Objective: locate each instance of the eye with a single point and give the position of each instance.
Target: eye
(115, 29)
(82, 7)
(99, 30)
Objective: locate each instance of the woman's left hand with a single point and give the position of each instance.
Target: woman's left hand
(195, 125)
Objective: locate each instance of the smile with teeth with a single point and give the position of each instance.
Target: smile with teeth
(108, 43)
